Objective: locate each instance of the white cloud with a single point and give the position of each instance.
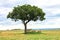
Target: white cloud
(52, 11)
(5, 11)
(11, 3)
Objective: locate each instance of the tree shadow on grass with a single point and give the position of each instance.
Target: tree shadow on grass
(33, 33)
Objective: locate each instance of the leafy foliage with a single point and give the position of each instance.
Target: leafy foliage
(26, 13)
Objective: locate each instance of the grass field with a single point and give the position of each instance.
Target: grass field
(18, 35)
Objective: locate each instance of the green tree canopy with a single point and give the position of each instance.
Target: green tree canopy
(26, 13)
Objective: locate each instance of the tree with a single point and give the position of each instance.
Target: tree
(26, 13)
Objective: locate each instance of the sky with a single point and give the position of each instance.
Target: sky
(50, 7)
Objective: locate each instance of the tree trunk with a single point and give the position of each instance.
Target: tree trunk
(25, 28)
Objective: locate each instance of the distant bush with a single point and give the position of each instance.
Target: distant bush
(16, 29)
(33, 31)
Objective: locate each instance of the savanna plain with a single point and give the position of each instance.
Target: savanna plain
(19, 35)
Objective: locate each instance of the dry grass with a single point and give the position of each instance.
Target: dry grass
(18, 35)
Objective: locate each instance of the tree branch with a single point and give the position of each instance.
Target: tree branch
(27, 21)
